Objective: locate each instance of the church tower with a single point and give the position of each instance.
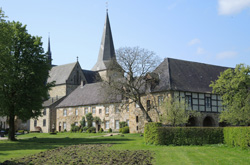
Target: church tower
(106, 58)
(49, 54)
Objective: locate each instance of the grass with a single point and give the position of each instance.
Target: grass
(209, 154)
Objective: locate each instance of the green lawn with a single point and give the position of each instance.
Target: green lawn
(210, 154)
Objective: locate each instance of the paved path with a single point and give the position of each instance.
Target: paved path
(105, 135)
(3, 138)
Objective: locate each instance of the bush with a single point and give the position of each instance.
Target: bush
(101, 130)
(155, 134)
(123, 124)
(65, 130)
(237, 136)
(85, 128)
(125, 129)
(110, 130)
(91, 130)
(21, 131)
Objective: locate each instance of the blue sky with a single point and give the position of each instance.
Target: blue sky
(208, 31)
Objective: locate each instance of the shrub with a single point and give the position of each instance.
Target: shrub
(90, 119)
(120, 130)
(84, 128)
(155, 134)
(110, 130)
(21, 131)
(65, 130)
(101, 130)
(81, 130)
(123, 124)
(125, 129)
(74, 128)
(91, 130)
(237, 136)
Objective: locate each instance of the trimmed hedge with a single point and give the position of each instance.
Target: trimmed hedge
(237, 136)
(154, 134)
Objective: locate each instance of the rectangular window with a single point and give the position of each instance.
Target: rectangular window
(76, 123)
(137, 119)
(44, 122)
(107, 110)
(148, 105)
(208, 102)
(100, 111)
(44, 112)
(160, 100)
(117, 124)
(188, 100)
(65, 112)
(117, 109)
(127, 121)
(86, 111)
(93, 110)
(127, 108)
(64, 126)
(93, 124)
(76, 112)
(35, 123)
(107, 124)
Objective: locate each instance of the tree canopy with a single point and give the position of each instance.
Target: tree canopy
(24, 70)
(234, 87)
(176, 112)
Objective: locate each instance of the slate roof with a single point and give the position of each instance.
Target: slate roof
(91, 76)
(107, 50)
(89, 94)
(183, 75)
(61, 73)
(52, 101)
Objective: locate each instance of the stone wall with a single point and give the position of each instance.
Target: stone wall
(58, 91)
(40, 120)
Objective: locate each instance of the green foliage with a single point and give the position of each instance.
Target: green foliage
(110, 130)
(154, 134)
(151, 134)
(175, 112)
(24, 71)
(91, 130)
(83, 122)
(90, 119)
(123, 124)
(84, 128)
(74, 128)
(125, 129)
(233, 85)
(101, 130)
(21, 131)
(97, 120)
(65, 130)
(237, 136)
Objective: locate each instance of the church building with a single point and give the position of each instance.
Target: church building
(78, 92)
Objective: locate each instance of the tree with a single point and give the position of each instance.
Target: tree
(90, 119)
(24, 70)
(234, 85)
(82, 122)
(175, 112)
(97, 121)
(135, 63)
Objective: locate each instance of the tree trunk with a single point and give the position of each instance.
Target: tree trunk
(11, 135)
(148, 118)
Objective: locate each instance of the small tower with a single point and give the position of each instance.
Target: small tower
(49, 54)
(106, 57)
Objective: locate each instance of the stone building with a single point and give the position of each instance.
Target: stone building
(78, 92)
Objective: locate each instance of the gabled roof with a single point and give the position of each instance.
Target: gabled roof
(91, 76)
(107, 50)
(61, 73)
(183, 75)
(52, 101)
(89, 94)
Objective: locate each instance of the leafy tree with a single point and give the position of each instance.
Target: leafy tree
(90, 119)
(82, 122)
(234, 85)
(97, 121)
(135, 63)
(24, 70)
(175, 112)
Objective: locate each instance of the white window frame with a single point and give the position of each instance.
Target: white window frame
(86, 110)
(76, 112)
(65, 112)
(106, 110)
(117, 126)
(107, 125)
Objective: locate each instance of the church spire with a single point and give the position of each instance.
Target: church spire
(49, 54)
(107, 50)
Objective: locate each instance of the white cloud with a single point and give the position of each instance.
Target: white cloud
(228, 7)
(226, 55)
(200, 50)
(194, 41)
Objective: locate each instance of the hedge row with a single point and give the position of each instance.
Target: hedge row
(155, 134)
(237, 136)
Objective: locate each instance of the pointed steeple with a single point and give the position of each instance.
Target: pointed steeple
(49, 54)
(107, 50)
